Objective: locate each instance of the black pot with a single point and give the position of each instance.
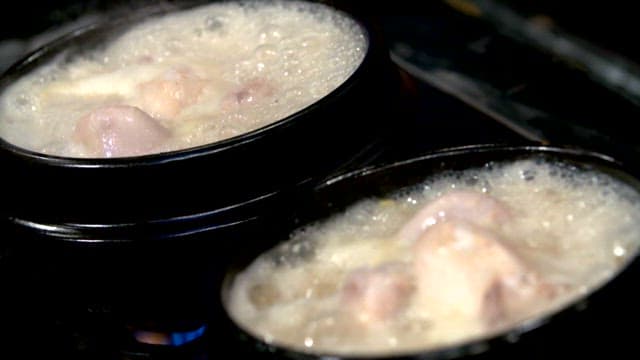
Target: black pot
(141, 237)
(594, 323)
(311, 142)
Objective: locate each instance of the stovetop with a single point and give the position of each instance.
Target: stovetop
(474, 75)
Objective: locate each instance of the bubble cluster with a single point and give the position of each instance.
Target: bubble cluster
(575, 227)
(255, 63)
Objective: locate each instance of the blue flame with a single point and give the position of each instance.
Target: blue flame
(168, 338)
(181, 338)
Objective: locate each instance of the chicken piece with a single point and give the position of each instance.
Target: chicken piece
(119, 130)
(474, 207)
(375, 294)
(88, 82)
(248, 93)
(465, 271)
(166, 96)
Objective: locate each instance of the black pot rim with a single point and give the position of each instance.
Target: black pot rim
(57, 46)
(481, 344)
(227, 174)
(180, 227)
(469, 149)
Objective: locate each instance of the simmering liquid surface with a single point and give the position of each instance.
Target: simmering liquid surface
(185, 79)
(462, 256)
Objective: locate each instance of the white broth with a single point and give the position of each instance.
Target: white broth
(462, 256)
(184, 79)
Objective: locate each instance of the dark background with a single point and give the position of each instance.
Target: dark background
(611, 24)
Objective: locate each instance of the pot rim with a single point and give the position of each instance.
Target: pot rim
(468, 149)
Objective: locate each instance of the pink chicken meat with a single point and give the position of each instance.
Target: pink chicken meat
(460, 266)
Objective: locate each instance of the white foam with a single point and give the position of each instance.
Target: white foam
(301, 51)
(575, 228)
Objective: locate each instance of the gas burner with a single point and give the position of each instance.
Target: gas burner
(166, 338)
(148, 342)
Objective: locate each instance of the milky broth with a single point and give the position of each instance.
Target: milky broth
(220, 70)
(575, 228)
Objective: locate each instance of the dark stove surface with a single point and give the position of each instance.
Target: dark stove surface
(471, 84)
